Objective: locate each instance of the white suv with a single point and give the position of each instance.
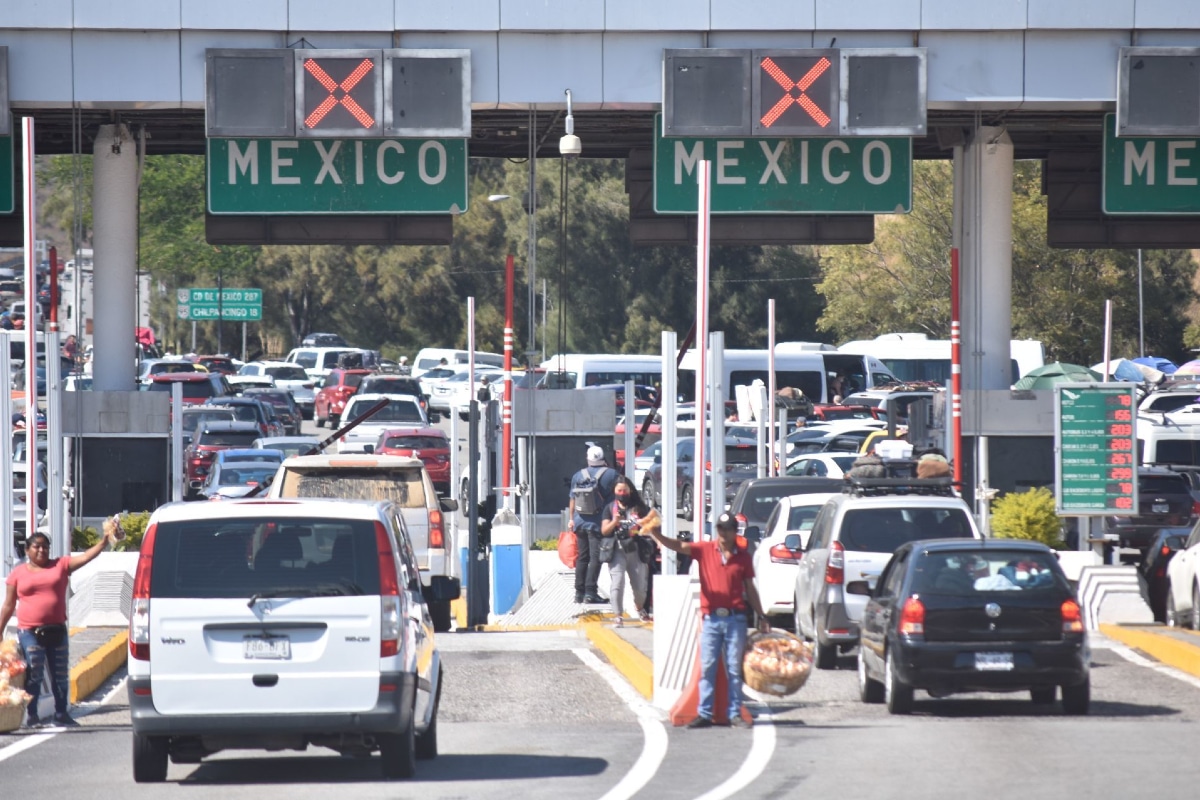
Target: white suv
(268, 625)
(401, 479)
(852, 539)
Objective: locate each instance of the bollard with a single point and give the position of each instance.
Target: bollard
(507, 575)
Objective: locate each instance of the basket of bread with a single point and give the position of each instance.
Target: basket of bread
(776, 663)
(13, 698)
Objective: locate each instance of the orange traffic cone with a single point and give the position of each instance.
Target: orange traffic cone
(687, 707)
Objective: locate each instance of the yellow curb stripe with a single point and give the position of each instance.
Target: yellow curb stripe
(628, 660)
(1182, 656)
(88, 674)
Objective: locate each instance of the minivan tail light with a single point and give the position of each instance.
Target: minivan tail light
(139, 612)
(835, 568)
(1072, 618)
(437, 529)
(912, 617)
(389, 589)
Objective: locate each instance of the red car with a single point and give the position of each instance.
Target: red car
(428, 444)
(198, 387)
(208, 439)
(221, 364)
(336, 389)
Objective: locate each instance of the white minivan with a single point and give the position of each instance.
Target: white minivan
(796, 366)
(581, 370)
(430, 357)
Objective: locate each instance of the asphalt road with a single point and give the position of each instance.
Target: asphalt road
(537, 715)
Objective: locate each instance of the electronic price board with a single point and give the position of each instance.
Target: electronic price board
(1095, 449)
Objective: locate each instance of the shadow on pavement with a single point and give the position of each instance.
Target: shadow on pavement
(337, 769)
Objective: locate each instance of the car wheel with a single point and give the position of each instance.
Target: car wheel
(824, 655)
(1043, 695)
(427, 745)
(1077, 698)
(648, 496)
(149, 759)
(441, 615)
(1195, 616)
(464, 498)
(869, 689)
(1172, 614)
(398, 751)
(685, 504)
(897, 695)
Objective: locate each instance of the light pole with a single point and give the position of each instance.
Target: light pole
(1141, 312)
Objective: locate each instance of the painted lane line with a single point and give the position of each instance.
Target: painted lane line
(654, 733)
(80, 710)
(762, 748)
(1134, 657)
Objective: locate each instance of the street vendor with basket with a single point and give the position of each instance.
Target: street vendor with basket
(727, 596)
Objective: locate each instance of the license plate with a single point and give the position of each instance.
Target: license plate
(1160, 508)
(993, 662)
(274, 647)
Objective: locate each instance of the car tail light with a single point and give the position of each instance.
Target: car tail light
(139, 614)
(389, 589)
(835, 568)
(742, 522)
(912, 617)
(782, 554)
(437, 529)
(1072, 617)
(1196, 508)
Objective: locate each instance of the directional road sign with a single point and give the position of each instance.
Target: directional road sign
(337, 176)
(1096, 448)
(234, 305)
(786, 176)
(1150, 175)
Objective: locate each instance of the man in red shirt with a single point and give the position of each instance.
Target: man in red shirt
(727, 595)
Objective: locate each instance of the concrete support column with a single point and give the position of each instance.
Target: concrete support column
(114, 214)
(983, 180)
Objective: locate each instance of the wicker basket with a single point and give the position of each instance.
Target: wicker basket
(11, 717)
(17, 681)
(777, 663)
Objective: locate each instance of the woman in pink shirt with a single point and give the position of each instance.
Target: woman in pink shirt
(40, 585)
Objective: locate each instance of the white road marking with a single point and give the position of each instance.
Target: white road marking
(762, 748)
(654, 733)
(1136, 658)
(80, 710)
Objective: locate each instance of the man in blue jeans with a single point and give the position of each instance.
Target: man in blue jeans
(727, 596)
(587, 526)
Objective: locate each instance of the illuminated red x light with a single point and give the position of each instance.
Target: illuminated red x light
(803, 100)
(357, 111)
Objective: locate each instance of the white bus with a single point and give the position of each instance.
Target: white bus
(799, 365)
(916, 357)
(580, 370)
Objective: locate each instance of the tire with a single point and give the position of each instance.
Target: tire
(897, 695)
(149, 759)
(1043, 696)
(427, 743)
(869, 689)
(685, 504)
(441, 615)
(648, 496)
(398, 751)
(1077, 698)
(1172, 615)
(824, 655)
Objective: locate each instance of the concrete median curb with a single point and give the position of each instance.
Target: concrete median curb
(628, 660)
(88, 675)
(1161, 646)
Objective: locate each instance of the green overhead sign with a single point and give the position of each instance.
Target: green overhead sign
(337, 176)
(230, 305)
(1096, 448)
(848, 175)
(7, 176)
(1150, 175)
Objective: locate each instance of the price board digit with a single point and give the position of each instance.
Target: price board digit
(1096, 449)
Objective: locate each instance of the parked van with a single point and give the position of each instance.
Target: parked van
(1169, 438)
(317, 361)
(915, 357)
(796, 366)
(597, 369)
(430, 357)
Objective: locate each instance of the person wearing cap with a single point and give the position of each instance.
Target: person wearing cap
(587, 526)
(727, 596)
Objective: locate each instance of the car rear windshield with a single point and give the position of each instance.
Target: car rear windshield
(269, 558)
(287, 373)
(882, 530)
(394, 411)
(193, 421)
(391, 386)
(1162, 484)
(227, 438)
(417, 442)
(801, 518)
(969, 572)
(403, 485)
(192, 390)
(742, 455)
(246, 475)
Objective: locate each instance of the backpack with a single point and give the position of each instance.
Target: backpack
(588, 500)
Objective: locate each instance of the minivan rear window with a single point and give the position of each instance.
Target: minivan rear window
(882, 530)
(289, 557)
(402, 486)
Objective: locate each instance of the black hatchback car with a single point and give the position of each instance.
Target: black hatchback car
(962, 615)
(1164, 501)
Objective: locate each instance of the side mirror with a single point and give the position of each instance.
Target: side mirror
(447, 504)
(434, 417)
(858, 587)
(442, 589)
(368, 449)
